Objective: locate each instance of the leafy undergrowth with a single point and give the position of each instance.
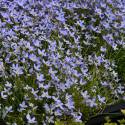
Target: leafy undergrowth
(68, 123)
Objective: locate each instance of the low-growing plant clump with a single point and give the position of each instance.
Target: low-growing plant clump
(61, 61)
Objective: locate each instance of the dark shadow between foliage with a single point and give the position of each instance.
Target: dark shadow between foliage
(2, 122)
(112, 111)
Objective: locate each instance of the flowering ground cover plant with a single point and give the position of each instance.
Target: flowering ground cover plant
(59, 60)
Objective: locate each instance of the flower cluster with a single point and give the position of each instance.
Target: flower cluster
(56, 58)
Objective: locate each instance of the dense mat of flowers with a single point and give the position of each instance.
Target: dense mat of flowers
(56, 59)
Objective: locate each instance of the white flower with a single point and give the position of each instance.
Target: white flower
(37, 43)
(27, 87)
(31, 119)
(58, 112)
(70, 102)
(6, 111)
(2, 69)
(120, 89)
(21, 2)
(37, 67)
(1, 66)
(9, 109)
(9, 85)
(104, 83)
(103, 49)
(34, 92)
(4, 95)
(33, 57)
(101, 99)
(16, 69)
(40, 77)
(98, 10)
(77, 116)
(23, 105)
(50, 119)
(45, 94)
(82, 82)
(91, 102)
(85, 95)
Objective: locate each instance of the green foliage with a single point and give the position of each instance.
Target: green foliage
(71, 122)
(110, 124)
(119, 57)
(119, 122)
